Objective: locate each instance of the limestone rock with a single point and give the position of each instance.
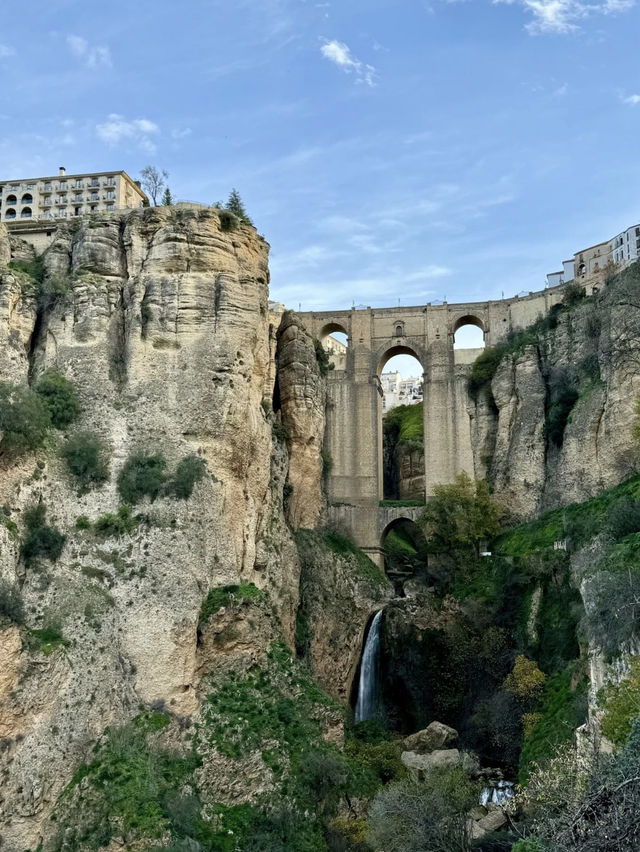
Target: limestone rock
(435, 737)
(493, 821)
(164, 331)
(300, 393)
(420, 765)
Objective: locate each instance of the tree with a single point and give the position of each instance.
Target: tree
(167, 198)
(235, 205)
(460, 517)
(154, 182)
(432, 815)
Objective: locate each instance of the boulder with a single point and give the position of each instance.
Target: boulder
(433, 738)
(420, 765)
(493, 821)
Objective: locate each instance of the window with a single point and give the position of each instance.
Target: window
(25, 213)
(110, 208)
(11, 199)
(94, 208)
(10, 214)
(399, 331)
(47, 187)
(62, 199)
(77, 196)
(78, 211)
(79, 184)
(47, 200)
(95, 182)
(110, 181)
(95, 196)
(27, 198)
(111, 194)
(30, 186)
(63, 184)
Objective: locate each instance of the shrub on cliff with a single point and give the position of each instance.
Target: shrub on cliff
(24, 419)
(143, 475)
(41, 540)
(325, 365)
(190, 469)
(11, 605)
(86, 457)
(60, 397)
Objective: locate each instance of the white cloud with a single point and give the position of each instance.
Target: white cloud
(340, 54)
(117, 129)
(181, 133)
(563, 16)
(633, 100)
(6, 51)
(93, 56)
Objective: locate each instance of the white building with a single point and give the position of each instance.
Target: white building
(625, 247)
(399, 391)
(337, 351)
(592, 265)
(63, 196)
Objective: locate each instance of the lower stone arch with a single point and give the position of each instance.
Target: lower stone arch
(407, 555)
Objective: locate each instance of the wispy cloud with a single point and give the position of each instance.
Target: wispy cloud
(633, 100)
(117, 129)
(6, 51)
(563, 16)
(92, 56)
(340, 54)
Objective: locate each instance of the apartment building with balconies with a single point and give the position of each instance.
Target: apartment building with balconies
(63, 196)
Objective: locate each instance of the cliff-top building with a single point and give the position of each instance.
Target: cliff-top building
(63, 196)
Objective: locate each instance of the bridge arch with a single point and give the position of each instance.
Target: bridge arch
(391, 348)
(332, 327)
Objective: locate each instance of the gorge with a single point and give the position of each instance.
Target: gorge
(193, 548)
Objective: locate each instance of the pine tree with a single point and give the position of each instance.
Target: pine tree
(234, 205)
(167, 198)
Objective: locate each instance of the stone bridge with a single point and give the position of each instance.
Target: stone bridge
(354, 411)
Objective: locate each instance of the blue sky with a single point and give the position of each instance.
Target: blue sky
(390, 151)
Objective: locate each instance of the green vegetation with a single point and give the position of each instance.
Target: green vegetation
(236, 207)
(562, 710)
(87, 459)
(24, 419)
(405, 423)
(41, 540)
(580, 522)
(409, 816)
(325, 364)
(343, 546)
(49, 638)
(131, 788)
(114, 525)
(11, 605)
(190, 469)
(60, 397)
(621, 704)
(227, 596)
(460, 517)
(143, 475)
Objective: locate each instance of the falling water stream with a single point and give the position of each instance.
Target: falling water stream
(365, 705)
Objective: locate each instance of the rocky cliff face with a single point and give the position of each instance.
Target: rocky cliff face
(159, 318)
(591, 348)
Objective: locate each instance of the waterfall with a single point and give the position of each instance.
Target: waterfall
(365, 705)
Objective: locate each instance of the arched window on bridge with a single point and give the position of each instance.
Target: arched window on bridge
(401, 379)
(468, 334)
(335, 342)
